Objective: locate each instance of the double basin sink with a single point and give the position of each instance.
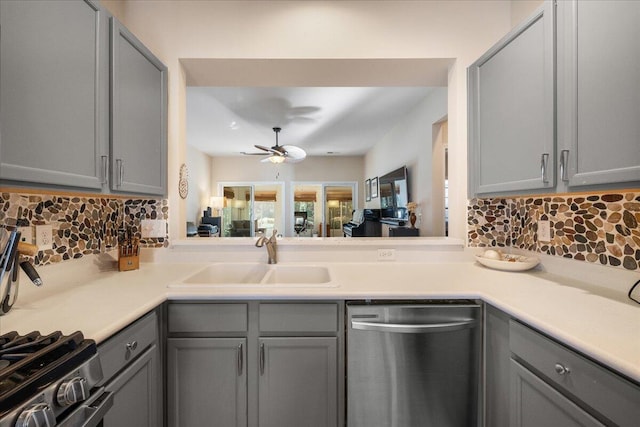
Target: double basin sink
(257, 274)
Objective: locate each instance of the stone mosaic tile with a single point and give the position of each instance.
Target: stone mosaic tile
(597, 228)
(81, 225)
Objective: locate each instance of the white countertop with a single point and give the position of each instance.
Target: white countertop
(91, 296)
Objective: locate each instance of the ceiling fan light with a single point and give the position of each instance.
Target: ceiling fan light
(276, 159)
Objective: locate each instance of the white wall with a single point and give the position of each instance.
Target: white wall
(320, 29)
(199, 166)
(410, 143)
(522, 9)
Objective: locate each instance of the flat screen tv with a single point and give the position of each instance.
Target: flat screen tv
(394, 194)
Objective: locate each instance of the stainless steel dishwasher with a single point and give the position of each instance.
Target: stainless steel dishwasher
(413, 364)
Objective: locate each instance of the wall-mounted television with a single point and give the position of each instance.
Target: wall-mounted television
(394, 194)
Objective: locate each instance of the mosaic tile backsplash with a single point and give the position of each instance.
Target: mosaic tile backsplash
(597, 228)
(82, 225)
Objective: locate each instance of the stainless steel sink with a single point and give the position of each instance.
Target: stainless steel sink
(258, 275)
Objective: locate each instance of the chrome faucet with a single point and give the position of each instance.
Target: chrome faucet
(271, 243)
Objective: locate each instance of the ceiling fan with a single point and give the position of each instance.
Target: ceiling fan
(280, 153)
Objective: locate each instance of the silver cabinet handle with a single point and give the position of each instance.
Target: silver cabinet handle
(240, 359)
(131, 346)
(105, 168)
(544, 160)
(261, 358)
(414, 328)
(120, 167)
(564, 159)
(561, 369)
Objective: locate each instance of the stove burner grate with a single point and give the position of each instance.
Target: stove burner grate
(28, 363)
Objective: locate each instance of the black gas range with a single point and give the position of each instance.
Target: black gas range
(50, 380)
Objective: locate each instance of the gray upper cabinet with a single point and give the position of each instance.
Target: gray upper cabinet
(138, 116)
(511, 110)
(599, 92)
(53, 93)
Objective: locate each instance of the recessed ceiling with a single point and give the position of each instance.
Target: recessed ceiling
(344, 121)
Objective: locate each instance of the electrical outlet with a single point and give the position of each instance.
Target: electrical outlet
(386, 254)
(153, 228)
(544, 231)
(26, 234)
(44, 237)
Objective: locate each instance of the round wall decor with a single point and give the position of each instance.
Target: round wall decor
(183, 183)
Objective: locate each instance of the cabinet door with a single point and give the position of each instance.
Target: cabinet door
(137, 395)
(139, 116)
(534, 403)
(511, 110)
(599, 91)
(206, 382)
(53, 92)
(497, 359)
(298, 384)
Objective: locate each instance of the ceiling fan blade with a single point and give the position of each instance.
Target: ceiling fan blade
(272, 150)
(294, 153)
(254, 154)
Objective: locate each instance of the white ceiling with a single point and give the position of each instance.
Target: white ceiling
(344, 121)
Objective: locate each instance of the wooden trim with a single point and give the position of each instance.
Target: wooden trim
(47, 192)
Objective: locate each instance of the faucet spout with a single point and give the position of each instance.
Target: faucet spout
(271, 243)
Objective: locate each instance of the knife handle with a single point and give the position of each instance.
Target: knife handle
(27, 249)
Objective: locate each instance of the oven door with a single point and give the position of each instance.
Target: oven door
(91, 412)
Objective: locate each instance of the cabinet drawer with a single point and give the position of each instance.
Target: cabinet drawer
(607, 393)
(205, 318)
(128, 344)
(298, 317)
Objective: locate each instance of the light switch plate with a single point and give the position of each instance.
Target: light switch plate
(544, 231)
(151, 228)
(44, 237)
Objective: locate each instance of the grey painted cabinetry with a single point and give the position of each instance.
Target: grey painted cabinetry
(599, 92)
(57, 125)
(511, 110)
(255, 364)
(512, 96)
(138, 116)
(532, 380)
(54, 93)
(132, 370)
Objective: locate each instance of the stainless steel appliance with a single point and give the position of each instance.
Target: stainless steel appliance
(50, 380)
(413, 365)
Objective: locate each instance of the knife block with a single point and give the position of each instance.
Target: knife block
(129, 257)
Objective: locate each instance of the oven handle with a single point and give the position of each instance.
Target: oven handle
(91, 412)
(97, 409)
(414, 328)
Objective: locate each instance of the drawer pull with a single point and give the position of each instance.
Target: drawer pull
(261, 358)
(561, 369)
(240, 351)
(131, 346)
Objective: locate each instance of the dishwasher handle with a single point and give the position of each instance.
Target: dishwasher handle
(415, 328)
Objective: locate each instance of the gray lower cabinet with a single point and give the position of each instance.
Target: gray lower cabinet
(207, 382)
(135, 391)
(497, 357)
(132, 371)
(138, 116)
(599, 92)
(298, 382)
(54, 93)
(532, 380)
(255, 364)
(511, 110)
(535, 403)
